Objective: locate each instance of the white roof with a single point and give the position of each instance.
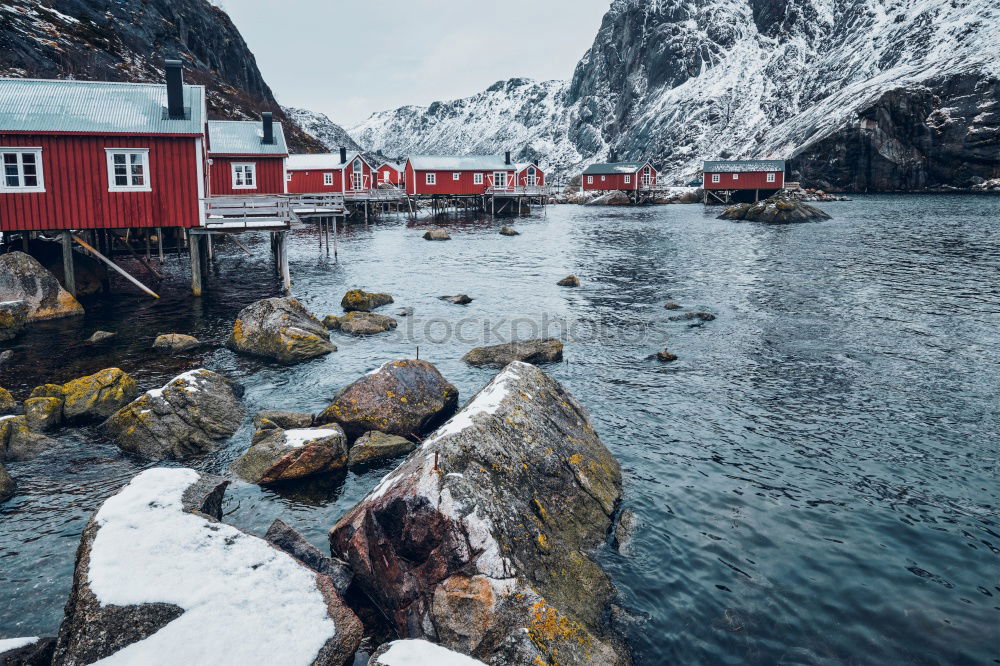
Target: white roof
(319, 161)
(459, 163)
(521, 166)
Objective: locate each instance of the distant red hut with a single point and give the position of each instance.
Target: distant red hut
(457, 175)
(329, 173)
(246, 157)
(100, 155)
(391, 173)
(608, 176)
(529, 174)
(726, 181)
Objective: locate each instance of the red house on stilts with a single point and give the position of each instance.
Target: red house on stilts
(625, 176)
(246, 157)
(529, 174)
(329, 173)
(391, 173)
(742, 181)
(457, 175)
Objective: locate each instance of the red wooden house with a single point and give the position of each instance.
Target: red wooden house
(328, 173)
(99, 155)
(453, 175)
(391, 173)
(625, 176)
(738, 180)
(529, 174)
(246, 157)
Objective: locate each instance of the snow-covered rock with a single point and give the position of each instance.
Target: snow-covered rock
(416, 652)
(159, 580)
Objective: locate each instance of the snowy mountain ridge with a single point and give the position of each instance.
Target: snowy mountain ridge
(884, 94)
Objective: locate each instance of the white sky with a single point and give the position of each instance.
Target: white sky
(350, 59)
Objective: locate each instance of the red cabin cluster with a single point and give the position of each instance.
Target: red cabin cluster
(726, 181)
(329, 173)
(608, 176)
(468, 175)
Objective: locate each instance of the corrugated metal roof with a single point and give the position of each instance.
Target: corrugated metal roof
(459, 163)
(317, 161)
(395, 165)
(33, 105)
(613, 167)
(743, 166)
(521, 166)
(243, 137)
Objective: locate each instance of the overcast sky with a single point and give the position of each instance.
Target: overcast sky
(350, 59)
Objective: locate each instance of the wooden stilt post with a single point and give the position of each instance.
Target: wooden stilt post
(69, 276)
(159, 243)
(208, 247)
(286, 276)
(193, 246)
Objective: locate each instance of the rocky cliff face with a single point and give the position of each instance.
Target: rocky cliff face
(127, 40)
(890, 94)
(319, 126)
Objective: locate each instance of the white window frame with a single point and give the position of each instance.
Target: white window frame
(19, 165)
(603, 178)
(456, 176)
(628, 179)
(590, 180)
(477, 179)
(327, 178)
(716, 177)
(147, 176)
(430, 178)
(247, 168)
(736, 176)
(288, 177)
(500, 179)
(772, 177)
(531, 180)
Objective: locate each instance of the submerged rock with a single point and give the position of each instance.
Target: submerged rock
(281, 329)
(101, 336)
(665, 356)
(437, 235)
(366, 323)
(175, 342)
(22, 278)
(670, 305)
(509, 231)
(287, 539)
(189, 415)
(405, 397)
(8, 486)
(486, 530)
(417, 652)
(457, 299)
(13, 317)
(689, 316)
(157, 574)
(374, 447)
(358, 300)
(540, 350)
(569, 281)
(778, 209)
(278, 455)
(7, 403)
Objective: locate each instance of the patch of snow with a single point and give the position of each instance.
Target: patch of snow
(487, 401)
(244, 601)
(8, 644)
(417, 652)
(298, 437)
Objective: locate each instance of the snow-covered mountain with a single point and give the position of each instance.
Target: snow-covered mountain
(861, 94)
(318, 125)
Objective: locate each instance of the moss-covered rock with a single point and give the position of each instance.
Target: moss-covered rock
(540, 350)
(509, 231)
(332, 322)
(8, 405)
(43, 414)
(359, 300)
(282, 418)
(777, 209)
(280, 329)
(23, 279)
(374, 447)
(13, 317)
(23, 441)
(278, 455)
(366, 323)
(98, 396)
(173, 343)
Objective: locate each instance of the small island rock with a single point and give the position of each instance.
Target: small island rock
(509, 231)
(437, 235)
(457, 299)
(777, 209)
(366, 323)
(358, 300)
(665, 356)
(278, 455)
(569, 281)
(101, 336)
(175, 342)
(540, 350)
(280, 329)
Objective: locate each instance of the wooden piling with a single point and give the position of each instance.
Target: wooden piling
(69, 275)
(193, 245)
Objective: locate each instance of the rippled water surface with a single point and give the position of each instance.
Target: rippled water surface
(816, 475)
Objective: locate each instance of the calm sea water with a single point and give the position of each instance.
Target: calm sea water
(817, 475)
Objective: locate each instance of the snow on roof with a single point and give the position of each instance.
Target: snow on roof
(459, 163)
(521, 166)
(395, 165)
(416, 652)
(244, 602)
(614, 167)
(244, 137)
(318, 161)
(35, 105)
(742, 166)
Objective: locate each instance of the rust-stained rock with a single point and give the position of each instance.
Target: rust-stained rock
(280, 329)
(486, 531)
(405, 397)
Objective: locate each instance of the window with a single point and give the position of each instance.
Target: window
(328, 179)
(736, 176)
(456, 176)
(715, 177)
(590, 180)
(770, 177)
(603, 178)
(431, 179)
(22, 170)
(244, 176)
(288, 177)
(500, 179)
(477, 179)
(532, 178)
(128, 170)
(628, 179)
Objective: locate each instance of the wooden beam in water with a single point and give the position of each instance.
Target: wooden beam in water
(116, 267)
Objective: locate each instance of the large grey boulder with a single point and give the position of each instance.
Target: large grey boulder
(189, 415)
(540, 350)
(13, 317)
(277, 455)
(22, 278)
(406, 397)
(157, 574)
(20, 440)
(481, 539)
(280, 329)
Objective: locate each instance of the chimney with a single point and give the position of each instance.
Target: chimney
(175, 89)
(613, 157)
(506, 157)
(536, 161)
(268, 118)
(343, 155)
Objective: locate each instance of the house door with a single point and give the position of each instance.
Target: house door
(500, 179)
(532, 180)
(647, 177)
(357, 181)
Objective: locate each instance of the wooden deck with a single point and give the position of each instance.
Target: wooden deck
(239, 213)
